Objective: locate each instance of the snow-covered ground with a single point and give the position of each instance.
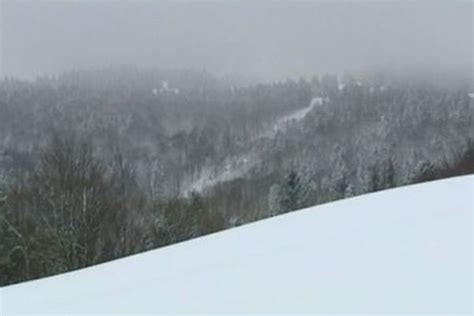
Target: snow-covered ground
(282, 123)
(233, 168)
(402, 250)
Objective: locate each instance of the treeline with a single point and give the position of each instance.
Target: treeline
(75, 210)
(366, 138)
(297, 191)
(97, 165)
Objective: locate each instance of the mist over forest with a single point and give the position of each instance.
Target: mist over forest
(260, 40)
(128, 126)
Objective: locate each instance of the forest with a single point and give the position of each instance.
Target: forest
(103, 163)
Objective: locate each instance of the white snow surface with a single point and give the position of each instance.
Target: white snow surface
(233, 168)
(282, 123)
(402, 250)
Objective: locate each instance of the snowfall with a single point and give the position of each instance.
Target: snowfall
(402, 250)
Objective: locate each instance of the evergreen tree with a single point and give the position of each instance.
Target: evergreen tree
(340, 178)
(196, 212)
(293, 193)
(274, 199)
(349, 191)
(389, 174)
(424, 171)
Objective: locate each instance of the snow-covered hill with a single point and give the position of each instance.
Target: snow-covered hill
(402, 250)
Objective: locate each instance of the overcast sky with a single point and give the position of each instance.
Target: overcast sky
(264, 39)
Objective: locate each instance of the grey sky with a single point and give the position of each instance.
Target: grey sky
(265, 39)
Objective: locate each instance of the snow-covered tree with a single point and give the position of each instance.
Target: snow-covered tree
(423, 171)
(350, 191)
(292, 194)
(274, 199)
(340, 174)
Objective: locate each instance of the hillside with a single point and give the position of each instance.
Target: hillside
(401, 250)
(121, 160)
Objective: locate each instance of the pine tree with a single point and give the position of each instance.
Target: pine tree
(389, 174)
(3, 193)
(291, 192)
(340, 178)
(274, 200)
(370, 180)
(424, 171)
(349, 191)
(294, 193)
(196, 215)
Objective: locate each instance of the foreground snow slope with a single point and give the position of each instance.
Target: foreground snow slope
(402, 250)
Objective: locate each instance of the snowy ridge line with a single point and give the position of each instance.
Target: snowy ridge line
(403, 250)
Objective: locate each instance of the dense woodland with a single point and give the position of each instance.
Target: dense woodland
(100, 164)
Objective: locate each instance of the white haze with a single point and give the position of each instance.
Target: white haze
(264, 40)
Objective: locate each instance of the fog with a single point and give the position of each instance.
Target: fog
(259, 39)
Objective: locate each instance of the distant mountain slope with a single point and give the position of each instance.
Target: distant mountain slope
(401, 250)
